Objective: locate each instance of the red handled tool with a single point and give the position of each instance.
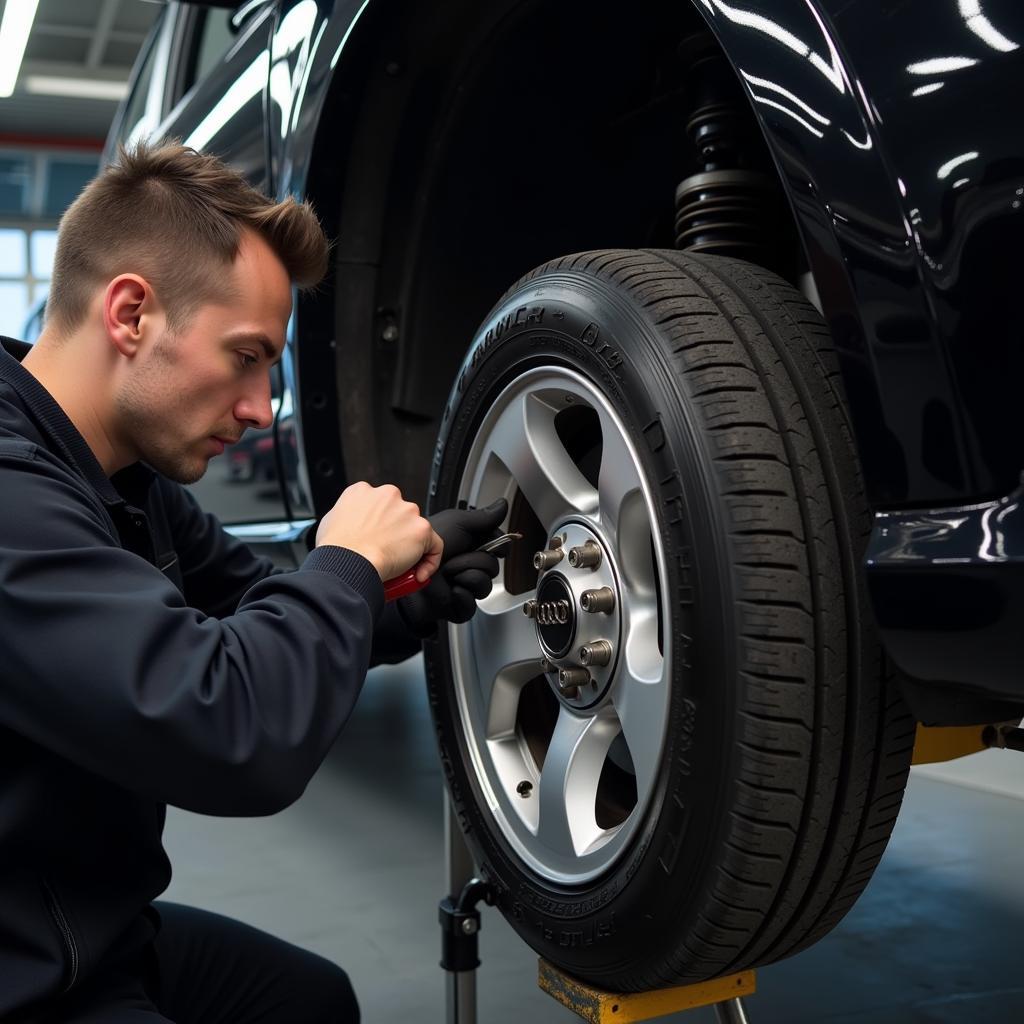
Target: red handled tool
(406, 584)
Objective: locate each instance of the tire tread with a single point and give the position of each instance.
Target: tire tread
(754, 357)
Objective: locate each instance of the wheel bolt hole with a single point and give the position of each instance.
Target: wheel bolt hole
(525, 788)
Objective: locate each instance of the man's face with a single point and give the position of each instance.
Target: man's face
(195, 391)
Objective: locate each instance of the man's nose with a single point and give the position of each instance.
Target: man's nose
(255, 408)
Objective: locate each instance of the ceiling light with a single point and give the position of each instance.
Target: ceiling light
(82, 88)
(14, 30)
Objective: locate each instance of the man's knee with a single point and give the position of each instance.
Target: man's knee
(332, 1000)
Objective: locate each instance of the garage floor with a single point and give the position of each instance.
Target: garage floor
(354, 871)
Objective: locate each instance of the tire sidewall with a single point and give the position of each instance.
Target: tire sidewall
(580, 322)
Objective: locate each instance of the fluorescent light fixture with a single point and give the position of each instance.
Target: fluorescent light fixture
(951, 165)
(941, 65)
(14, 30)
(923, 90)
(81, 88)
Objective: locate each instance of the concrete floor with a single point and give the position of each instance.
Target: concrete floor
(354, 871)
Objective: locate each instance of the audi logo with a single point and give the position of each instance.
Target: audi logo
(552, 613)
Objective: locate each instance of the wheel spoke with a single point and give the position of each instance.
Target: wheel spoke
(640, 696)
(568, 783)
(525, 440)
(507, 656)
(618, 478)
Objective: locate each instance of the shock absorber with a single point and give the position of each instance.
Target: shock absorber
(728, 208)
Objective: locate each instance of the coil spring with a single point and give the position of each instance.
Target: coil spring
(723, 212)
(727, 208)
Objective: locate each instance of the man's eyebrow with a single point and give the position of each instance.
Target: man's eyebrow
(262, 340)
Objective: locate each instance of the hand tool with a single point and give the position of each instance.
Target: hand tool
(401, 586)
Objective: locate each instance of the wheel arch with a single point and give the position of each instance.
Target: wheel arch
(373, 157)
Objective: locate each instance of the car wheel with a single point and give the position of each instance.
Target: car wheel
(674, 748)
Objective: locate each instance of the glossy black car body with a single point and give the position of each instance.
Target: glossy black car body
(451, 146)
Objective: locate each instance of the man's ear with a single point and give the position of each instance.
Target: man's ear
(127, 299)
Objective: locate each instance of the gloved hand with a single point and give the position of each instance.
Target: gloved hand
(465, 574)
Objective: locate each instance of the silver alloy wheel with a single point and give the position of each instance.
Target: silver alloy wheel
(548, 801)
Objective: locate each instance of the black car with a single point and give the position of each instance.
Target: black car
(722, 297)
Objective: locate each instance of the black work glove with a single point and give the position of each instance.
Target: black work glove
(465, 574)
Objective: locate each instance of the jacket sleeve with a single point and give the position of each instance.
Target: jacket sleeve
(392, 641)
(217, 568)
(106, 666)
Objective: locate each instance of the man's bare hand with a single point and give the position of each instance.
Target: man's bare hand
(379, 524)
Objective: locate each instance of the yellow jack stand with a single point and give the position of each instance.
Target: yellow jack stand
(599, 1007)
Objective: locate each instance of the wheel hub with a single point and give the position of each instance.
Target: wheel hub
(556, 615)
(577, 615)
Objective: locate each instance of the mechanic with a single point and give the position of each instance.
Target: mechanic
(148, 657)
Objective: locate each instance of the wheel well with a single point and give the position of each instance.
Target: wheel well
(459, 148)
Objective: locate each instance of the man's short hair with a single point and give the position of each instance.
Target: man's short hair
(175, 217)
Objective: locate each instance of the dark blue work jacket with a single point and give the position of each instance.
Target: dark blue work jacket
(147, 658)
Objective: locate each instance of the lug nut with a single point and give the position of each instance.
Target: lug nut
(602, 600)
(586, 556)
(530, 609)
(525, 788)
(571, 679)
(546, 559)
(597, 653)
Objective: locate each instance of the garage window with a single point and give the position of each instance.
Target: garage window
(26, 259)
(36, 187)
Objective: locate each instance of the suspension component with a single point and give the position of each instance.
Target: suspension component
(728, 207)
(723, 212)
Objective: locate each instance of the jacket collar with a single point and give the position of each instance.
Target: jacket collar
(132, 482)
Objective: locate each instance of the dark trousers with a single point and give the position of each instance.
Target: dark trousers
(209, 969)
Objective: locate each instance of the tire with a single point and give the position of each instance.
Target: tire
(718, 795)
